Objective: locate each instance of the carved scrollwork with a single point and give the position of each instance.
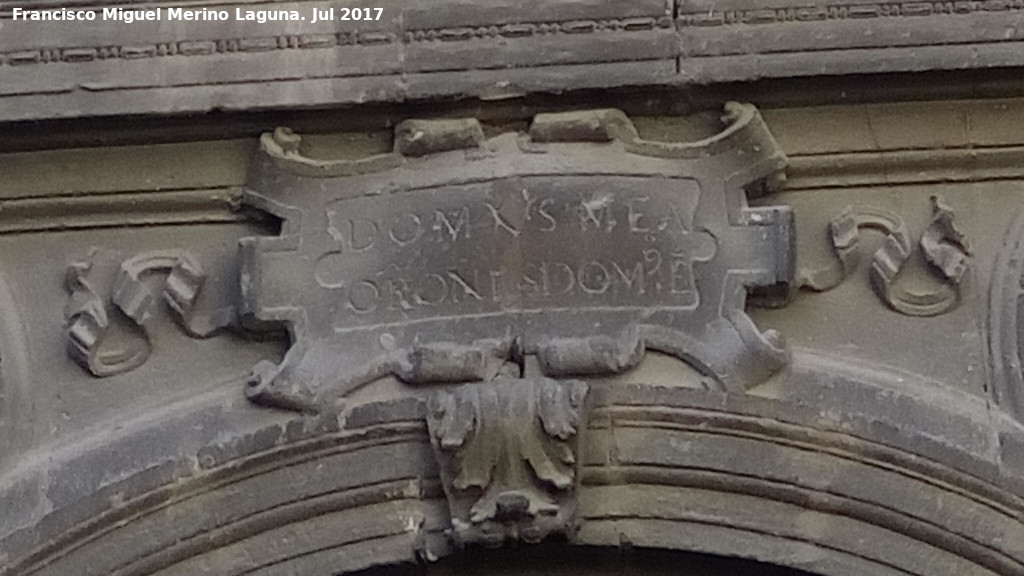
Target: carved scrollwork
(413, 138)
(507, 451)
(184, 278)
(87, 326)
(87, 322)
(944, 246)
(443, 259)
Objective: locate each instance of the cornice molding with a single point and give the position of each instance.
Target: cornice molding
(436, 49)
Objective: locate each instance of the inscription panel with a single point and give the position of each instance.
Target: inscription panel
(518, 245)
(456, 257)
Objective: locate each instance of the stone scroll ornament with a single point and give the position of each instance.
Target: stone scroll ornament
(945, 248)
(88, 323)
(577, 243)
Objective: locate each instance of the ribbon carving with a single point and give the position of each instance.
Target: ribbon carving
(945, 248)
(88, 323)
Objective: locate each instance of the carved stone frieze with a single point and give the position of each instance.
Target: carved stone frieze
(578, 242)
(507, 452)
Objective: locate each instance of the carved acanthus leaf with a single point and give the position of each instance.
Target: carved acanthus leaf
(507, 455)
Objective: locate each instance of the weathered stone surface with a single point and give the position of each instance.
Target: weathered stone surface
(495, 49)
(508, 458)
(885, 438)
(445, 269)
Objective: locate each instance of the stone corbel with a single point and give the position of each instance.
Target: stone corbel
(507, 453)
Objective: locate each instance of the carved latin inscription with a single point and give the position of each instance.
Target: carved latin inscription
(526, 246)
(579, 243)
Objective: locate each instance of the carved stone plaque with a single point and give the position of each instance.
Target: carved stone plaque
(579, 243)
(524, 245)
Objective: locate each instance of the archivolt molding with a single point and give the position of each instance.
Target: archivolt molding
(650, 460)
